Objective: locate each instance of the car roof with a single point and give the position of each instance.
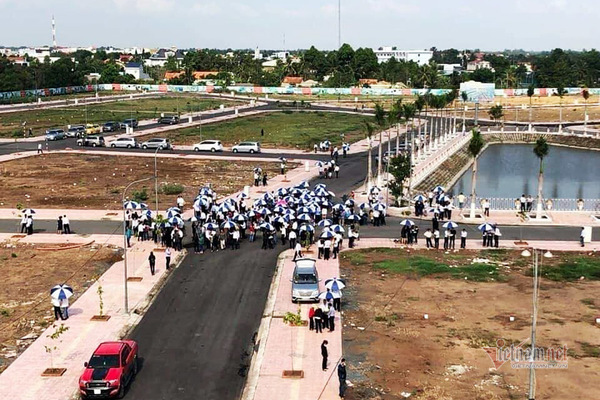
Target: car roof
(306, 263)
(109, 348)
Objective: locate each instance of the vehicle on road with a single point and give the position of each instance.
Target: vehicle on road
(209, 145)
(91, 129)
(111, 126)
(305, 281)
(75, 131)
(157, 143)
(129, 143)
(169, 119)
(110, 370)
(55, 134)
(129, 122)
(91, 140)
(246, 147)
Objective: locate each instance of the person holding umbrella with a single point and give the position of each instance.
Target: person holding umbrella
(336, 285)
(60, 295)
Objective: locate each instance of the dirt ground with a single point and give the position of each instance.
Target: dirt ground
(393, 352)
(80, 181)
(28, 274)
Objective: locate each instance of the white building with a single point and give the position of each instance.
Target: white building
(449, 69)
(421, 57)
(137, 70)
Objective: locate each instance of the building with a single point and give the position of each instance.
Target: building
(257, 54)
(162, 55)
(449, 69)
(421, 57)
(292, 81)
(479, 64)
(18, 60)
(137, 70)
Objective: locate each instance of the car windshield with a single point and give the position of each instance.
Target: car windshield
(305, 278)
(104, 361)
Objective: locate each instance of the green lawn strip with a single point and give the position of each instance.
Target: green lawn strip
(281, 129)
(149, 108)
(572, 269)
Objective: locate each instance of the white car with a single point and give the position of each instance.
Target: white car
(209, 145)
(246, 147)
(129, 143)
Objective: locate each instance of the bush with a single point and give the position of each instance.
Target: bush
(140, 195)
(171, 188)
(293, 319)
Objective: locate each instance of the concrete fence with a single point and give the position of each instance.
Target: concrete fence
(507, 204)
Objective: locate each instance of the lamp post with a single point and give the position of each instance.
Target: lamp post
(156, 178)
(125, 244)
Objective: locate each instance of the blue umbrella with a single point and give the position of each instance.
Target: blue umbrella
(327, 235)
(338, 207)
(337, 229)
(226, 207)
(485, 227)
(28, 211)
(319, 163)
(450, 225)
(335, 284)
(304, 218)
(175, 221)
(349, 203)
(133, 205)
(266, 226)
(173, 213)
(307, 228)
(239, 218)
(264, 211)
(211, 226)
(229, 225)
(251, 214)
(302, 185)
(61, 292)
(406, 222)
(242, 195)
(320, 185)
(420, 197)
(279, 209)
(353, 218)
(282, 191)
(379, 207)
(438, 189)
(326, 295)
(324, 223)
(175, 209)
(280, 220)
(206, 191)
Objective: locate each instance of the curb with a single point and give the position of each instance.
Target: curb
(249, 390)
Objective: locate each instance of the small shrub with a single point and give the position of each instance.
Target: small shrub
(140, 195)
(4, 312)
(293, 319)
(14, 255)
(171, 188)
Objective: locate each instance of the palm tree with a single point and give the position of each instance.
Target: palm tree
(380, 120)
(541, 150)
(394, 117)
(475, 146)
(530, 92)
(464, 96)
(586, 95)
(560, 91)
(369, 133)
(409, 111)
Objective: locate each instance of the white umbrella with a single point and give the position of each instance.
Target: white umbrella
(60, 292)
(335, 284)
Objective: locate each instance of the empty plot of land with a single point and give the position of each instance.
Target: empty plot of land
(281, 129)
(28, 274)
(469, 298)
(97, 181)
(11, 124)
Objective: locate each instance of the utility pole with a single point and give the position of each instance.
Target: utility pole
(534, 324)
(339, 24)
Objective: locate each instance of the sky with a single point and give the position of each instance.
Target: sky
(408, 24)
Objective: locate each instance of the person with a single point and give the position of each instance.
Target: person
(264, 179)
(318, 317)
(29, 225)
(168, 258)
(461, 200)
(39, 149)
(282, 167)
(435, 224)
(463, 239)
(523, 202)
(262, 132)
(336, 246)
(582, 237)
(428, 235)
(56, 306)
(297, 251)
(341, 371)
(331, 316)
(337, 171)
(325, 310)
(311, 319)
(64, 308)
(529, 203)
(446, 239)
(436, 238)
(292, 238)
(325, 354)
(486, 207)
(59, 225)
(315, 148)
(152, 261)
(180, 202)
(23, 223)
(128, 234)
(235, 240)
(497, 235)
(326, 249)
(320, 245)
(452, 238)
(66, 225)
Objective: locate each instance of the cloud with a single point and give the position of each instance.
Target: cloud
(392, 6)
(145, 6)
(209, 8)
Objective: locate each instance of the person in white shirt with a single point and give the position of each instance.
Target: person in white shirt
(23, 223)
(446, 238)
(297, 251)
(180, 203)
(235, 242)
(320, 245)
(523, 202)
(292, 236)
(428, 235)
(463, 239)
(168, 258)
(326, 249)
(497, 235)
(436, 239)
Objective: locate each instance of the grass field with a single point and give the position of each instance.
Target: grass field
(413, 324)
(281, 129)
(33, 99)
(40, 120)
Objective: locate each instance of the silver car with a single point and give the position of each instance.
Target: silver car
(128, 143)
(305, 281)
(55, 134)
(163, 144)
(246, 147)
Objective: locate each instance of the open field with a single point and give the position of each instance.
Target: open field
(468, 303)
(28, 273)
(149, 108)
(97, 181)
(33, 99)
(281, 129)
(570, 113)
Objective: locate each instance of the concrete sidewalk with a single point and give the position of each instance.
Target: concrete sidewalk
(83, 335)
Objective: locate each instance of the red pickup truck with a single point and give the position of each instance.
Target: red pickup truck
(109, 371)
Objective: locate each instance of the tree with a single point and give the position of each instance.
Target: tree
(409, 110)
(369, 133)
(530, 93)
(496, 112)
(394, 117)
(541, 150)
(586, 95)
(475, 146)
(380, 119)
(560, 92)
(400, 168)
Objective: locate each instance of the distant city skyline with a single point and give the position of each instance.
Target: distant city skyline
(533, 25)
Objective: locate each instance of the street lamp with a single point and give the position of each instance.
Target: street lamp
(156, 178)
(125, 243)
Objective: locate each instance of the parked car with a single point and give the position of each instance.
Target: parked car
(129, 143)
(110, 370)
(209, 145)
(156, 143)
(55, 134)
(129, 122)
(246, 147)
(305, 281)
(76, 131)
(111, 126)
(169, 119)
(90, 129)
(92, 140)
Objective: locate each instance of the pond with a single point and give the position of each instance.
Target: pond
(509, 170)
